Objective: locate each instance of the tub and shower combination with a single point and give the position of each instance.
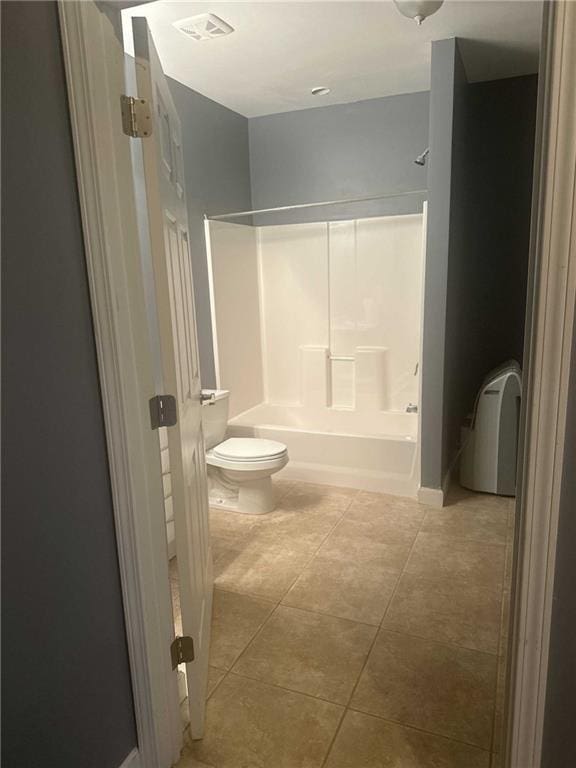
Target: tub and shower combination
(317, 334)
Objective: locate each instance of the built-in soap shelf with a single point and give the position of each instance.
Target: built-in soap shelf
(359, 381)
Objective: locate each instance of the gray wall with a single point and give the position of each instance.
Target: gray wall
(492, 159)
(217, 173)
(559, 741)
(337, 152)
(446, 82)
(67, 698)
(480, 185)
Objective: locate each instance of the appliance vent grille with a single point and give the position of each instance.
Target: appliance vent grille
(205, 26)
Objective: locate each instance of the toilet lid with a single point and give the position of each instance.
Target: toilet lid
(249, 449)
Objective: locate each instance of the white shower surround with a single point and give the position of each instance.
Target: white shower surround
(288, 299)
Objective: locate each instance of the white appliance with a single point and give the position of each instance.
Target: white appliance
(488, 461)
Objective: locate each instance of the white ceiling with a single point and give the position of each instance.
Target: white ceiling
(361, 50)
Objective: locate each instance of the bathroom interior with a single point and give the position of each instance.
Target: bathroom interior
(359, 196)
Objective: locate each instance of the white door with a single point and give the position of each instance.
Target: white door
(169, 243)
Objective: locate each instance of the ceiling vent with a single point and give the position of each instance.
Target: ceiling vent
(206, 26)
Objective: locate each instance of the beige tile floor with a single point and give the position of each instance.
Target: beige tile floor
(358, 630)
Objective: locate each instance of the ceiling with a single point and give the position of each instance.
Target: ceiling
(361, 50)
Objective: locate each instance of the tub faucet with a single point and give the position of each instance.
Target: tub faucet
(411, 408)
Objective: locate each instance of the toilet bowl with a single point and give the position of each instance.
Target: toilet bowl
(239, 469)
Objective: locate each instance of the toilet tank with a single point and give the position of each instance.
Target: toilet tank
(214, 416)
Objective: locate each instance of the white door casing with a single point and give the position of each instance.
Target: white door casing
(169, 245)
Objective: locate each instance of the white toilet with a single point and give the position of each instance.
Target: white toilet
(240, 469)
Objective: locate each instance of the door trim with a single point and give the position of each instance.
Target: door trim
(548, 349)
(126, 370)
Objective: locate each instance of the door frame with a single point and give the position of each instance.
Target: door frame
(548, 349)
(126, 363)
(552, 291)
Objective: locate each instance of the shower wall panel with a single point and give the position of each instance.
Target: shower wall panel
(236, 313)
(352, 289)
(388, 295)
(294, 285)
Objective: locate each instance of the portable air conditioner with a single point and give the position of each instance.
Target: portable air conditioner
(488, 461)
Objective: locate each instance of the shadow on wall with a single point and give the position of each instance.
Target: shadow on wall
(480, 180)
(489, 240)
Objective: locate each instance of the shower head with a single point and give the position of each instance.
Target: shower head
(421, 159)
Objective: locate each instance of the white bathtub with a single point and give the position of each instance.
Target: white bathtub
(375, 451)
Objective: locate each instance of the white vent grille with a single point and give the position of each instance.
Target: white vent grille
(206, 26)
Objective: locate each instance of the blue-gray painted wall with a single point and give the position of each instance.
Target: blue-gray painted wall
(66, 691)
(480, 186)
(339, 152)
(445, 76)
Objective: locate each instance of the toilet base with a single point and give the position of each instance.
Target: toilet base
(251, 497)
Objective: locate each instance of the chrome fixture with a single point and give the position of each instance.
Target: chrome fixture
(418, 9)
(411, 408)
(206, 396)
(421, 159)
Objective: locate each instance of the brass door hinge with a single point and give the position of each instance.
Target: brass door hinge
(136, 117)
(182, 651)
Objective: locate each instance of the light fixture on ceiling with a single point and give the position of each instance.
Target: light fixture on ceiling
(205, 26)
(320, 90)
(418, 9)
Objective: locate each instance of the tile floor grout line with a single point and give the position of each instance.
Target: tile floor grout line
(401, 572)
(334, 737)
(278, 605)
(390, 603)
(433, 641)
(318, 548)
(373, 643)
(346, 708)
(435, 734)
(244, 676)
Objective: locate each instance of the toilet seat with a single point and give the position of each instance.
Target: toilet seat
(249, 449)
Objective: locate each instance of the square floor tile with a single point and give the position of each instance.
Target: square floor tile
(437, 688)
(439, 556)
(232, 528)
(310, 653)
(263, 569)
(384, 523)
(253, 725)
(364, 741)
(315, 496)
(235, 620)
(304, 530)
(348, 543)
(447, 610)
(350, 590)
(376, 502)
(473, 523)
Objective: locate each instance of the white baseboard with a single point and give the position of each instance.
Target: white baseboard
(432, 497)
(132, 761)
